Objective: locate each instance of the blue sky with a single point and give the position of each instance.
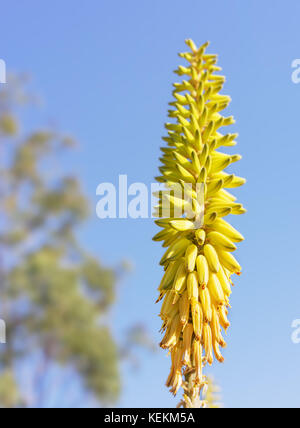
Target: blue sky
(105, 71)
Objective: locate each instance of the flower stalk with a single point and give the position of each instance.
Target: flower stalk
(198, 262)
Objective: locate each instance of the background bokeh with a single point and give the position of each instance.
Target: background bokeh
(104, 69)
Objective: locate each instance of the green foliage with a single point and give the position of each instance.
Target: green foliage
(54, 296)
(9, 394)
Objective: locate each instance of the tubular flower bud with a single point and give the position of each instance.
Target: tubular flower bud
(190, 257)
(202, 270)
(197, 318)
(193, 287)
(199, 243)
(211, 257)
(215, 290)
(197, 351)
(200, 236)
(184, 308)
(180, 279)
(187, 343)
(207, 343)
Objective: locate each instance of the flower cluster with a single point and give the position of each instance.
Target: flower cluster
(198, 261)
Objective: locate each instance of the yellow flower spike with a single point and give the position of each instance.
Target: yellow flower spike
(198, 261)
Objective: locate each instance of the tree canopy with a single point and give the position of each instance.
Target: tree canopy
(54, 295)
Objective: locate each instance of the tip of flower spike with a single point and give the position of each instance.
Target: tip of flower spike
(205, 45)
(190, 43)
(202, 48)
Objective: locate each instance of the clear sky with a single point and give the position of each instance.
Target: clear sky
(105, 71)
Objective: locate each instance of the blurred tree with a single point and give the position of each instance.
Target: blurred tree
(54, 296)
